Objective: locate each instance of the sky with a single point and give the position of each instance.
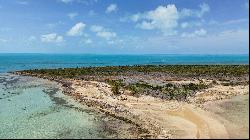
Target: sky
(124, 27)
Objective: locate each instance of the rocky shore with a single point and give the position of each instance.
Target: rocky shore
(157, 117)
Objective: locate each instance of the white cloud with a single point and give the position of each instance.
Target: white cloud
(197, 33)
(204, 8)
(86, 39)
(96, 28)
(105, 34)
(111, 8)
(162, 18)
(53, 25)
(76, 30)
(145, 25)
(136, 17)
(102, 32)
(53, 37)
(72, 15)
(191, 24)
(166, 18)
(116, 42)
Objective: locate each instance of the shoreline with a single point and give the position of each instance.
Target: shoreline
(156, 118)
(14, 87)
(94, 105)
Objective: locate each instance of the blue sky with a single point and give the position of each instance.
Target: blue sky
(124, 27)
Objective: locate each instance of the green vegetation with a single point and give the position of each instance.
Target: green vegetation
(194, 87)
(114, 75)
(168, 91)
(116, 86)
(187, 70)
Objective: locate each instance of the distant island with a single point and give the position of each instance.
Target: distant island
(163, 101)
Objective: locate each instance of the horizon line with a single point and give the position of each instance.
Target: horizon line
(129, 53)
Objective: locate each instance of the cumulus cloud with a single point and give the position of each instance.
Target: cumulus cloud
(111, 8)
(166, 18)
(77, 29)
(102, 32)
(53, 37)
(145, 25)
(72, 15)
(162, 18)
(197, 33)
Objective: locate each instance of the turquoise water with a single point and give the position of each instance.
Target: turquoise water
(12, 62)
(36, 108)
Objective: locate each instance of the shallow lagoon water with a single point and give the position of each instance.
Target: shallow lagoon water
(36, 108)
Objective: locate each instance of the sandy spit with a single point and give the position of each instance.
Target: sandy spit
(207, 115)
(161, 118)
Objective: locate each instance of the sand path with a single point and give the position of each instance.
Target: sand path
(169, 119)
(185, 121)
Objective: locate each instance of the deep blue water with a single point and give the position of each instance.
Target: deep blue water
(12, 62)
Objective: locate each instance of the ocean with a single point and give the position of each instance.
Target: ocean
(12, 62)
(37, 108)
